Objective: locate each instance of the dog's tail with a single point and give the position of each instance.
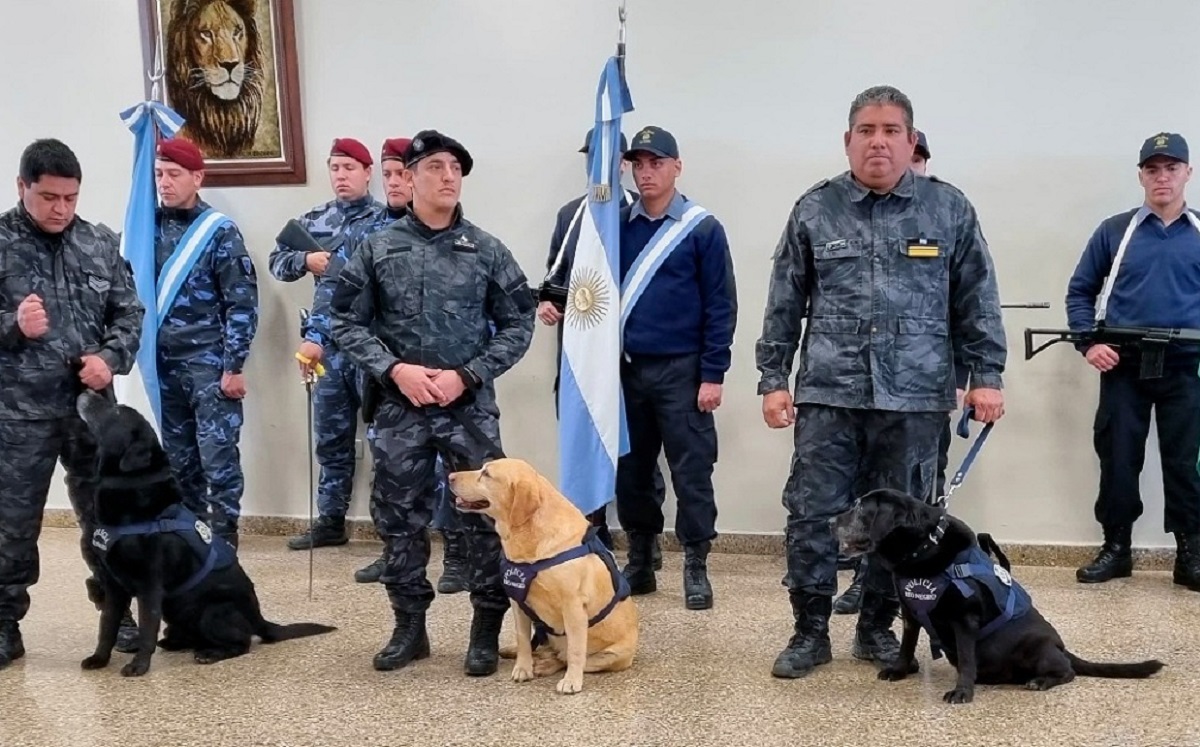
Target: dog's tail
(273, 632)
(1134, 671)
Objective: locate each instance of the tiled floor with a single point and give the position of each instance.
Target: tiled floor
(701, 677)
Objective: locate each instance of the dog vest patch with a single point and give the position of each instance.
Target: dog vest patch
(518, 578)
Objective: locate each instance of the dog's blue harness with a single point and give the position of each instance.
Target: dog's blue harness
(214, 552)
(518, 577)
(921, 595)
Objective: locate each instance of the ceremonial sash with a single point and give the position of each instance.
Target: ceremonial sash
(189, 249)
(1106, 291)
(666, 240)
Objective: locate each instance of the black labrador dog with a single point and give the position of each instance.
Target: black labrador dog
(155, 550)
(968, 604)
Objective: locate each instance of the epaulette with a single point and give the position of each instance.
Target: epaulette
(814, 188)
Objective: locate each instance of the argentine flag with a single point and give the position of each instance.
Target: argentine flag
(145, 120)
(591, 426)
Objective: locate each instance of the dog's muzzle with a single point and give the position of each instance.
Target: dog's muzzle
(91, 405)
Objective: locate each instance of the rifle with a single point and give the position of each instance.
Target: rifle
(1151, 342)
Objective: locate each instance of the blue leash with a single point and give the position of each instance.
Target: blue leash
(964, 431)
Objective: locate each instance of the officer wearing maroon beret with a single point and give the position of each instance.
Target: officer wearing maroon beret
(204, 339)
(337, 225)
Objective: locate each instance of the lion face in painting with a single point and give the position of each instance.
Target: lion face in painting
(215, 73)
(218, 47)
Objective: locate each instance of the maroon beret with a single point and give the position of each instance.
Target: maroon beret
(393, 148)
(183, 152)
(351, 148)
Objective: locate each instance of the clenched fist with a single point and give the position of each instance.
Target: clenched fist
(95, 373)
(317, 262)
(31, 317)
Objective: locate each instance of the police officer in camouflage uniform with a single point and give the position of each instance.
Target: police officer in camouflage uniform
(413, 307)
(891, 278)
(69, 319)
(446, 519)
(337, 225)
(203, 341)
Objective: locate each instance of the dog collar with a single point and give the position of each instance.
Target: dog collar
(929, 546)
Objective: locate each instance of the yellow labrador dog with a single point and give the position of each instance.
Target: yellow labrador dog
(563, 583)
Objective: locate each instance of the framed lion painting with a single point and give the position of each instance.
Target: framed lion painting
(230, 71)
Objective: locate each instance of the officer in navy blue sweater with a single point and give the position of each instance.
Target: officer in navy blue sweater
(679, 310)
(1142, 268)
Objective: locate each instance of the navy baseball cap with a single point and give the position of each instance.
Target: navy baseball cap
(653, 140)
(922, 148)
(1167, 144)
(587, 142)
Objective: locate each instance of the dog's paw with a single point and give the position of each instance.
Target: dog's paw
(895, 672)
(508, 651)
(960, 695)
(570, 684)
(135, 668)
(207, 657)
(95, 661)
(522, 671)
(1041, 683)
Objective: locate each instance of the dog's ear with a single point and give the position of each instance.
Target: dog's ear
(139, 456)
(525, 499)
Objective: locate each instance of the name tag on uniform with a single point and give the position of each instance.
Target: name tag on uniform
(922, 248)
(463, 244)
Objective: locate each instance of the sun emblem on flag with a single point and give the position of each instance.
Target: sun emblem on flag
(587, 299)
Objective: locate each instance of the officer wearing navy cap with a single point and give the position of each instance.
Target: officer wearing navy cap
(1142, 268)
(680, 304)
(414, 309)
(920, 156)
(551, 300)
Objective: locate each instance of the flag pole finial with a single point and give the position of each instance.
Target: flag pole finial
(157, 73)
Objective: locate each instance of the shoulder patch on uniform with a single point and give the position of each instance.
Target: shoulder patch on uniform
(814, 188)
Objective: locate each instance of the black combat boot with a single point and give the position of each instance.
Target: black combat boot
(850, 602)
(326, 532)
(656, 554)
(454, 563)
(370, 574)
(483, 652)
(1115, 559)
(409, 642)
(873, 636)
(127, 635)
(1187, 561)
(639, 571)
(809, 646)
(11, 645)
(697, 592)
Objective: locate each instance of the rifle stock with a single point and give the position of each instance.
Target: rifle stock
(295, 236)
(1151, 342)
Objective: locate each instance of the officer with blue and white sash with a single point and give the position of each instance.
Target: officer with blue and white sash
(678, 313)
(1141, 268)
(207, 314)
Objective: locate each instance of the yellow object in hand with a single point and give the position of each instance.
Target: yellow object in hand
(319, 369)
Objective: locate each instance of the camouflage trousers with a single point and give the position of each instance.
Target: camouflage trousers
(29, 451)
(839, 451)
(201, 428)
(405, 444)
(336, 401)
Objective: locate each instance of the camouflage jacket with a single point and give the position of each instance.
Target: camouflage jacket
(215, 316)
(893, 289)
(412, 294)
(91, 302)
(339, 226)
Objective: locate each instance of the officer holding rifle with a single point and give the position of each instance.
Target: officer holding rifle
(1141, 268)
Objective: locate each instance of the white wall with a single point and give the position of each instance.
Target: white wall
(1035, 109)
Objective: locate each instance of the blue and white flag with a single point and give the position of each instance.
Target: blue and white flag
(591, 428)
(146, 120)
